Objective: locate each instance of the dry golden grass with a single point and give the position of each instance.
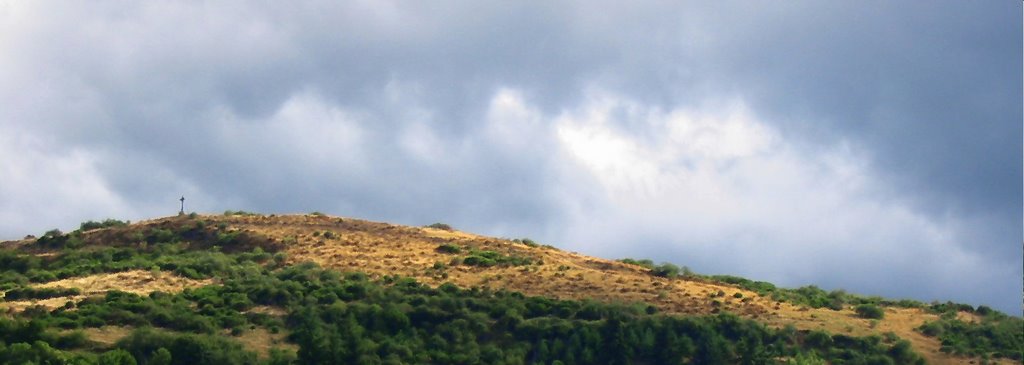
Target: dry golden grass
(268, 310)
(140, 282)
(136, 281)
(258, 339)
(107, 335)
(261, 341)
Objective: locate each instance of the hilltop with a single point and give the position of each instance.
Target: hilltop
(215, 254)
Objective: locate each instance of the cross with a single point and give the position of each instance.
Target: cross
(182, 205)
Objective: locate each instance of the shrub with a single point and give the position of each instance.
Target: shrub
(491, 258)
(527, 241)
(645, 263)
(687, 272)
(70, 340)
(89, 225)
(870, 311)
(441, 226)
(666, 270)
(54, 238)
(448, 248)
(40, 293)
(818, 340)
(948, 306)
(475, 260)
(160, 357)
(117, 357)
(159, 235)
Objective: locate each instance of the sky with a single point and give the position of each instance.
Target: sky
(871, 146)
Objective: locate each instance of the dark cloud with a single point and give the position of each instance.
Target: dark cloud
(932, 91)
(713, 135)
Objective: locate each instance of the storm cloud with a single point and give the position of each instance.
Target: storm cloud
(870, 146)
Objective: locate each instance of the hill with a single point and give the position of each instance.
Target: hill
(315, 288)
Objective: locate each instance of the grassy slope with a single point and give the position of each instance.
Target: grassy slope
(380, 249)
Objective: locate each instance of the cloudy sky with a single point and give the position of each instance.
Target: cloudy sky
(871, 146)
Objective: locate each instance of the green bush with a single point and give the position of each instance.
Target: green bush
(40, 293)
(949, 306)
(54, 238)
(441, 226)
(476, 260)
(89, 225)
(161, 235)
(527, 241)
(870, 311)
(448, 248)
(932, 328)
(645, 263)
(666, 270)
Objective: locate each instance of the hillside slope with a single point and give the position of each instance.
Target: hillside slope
(435, 256)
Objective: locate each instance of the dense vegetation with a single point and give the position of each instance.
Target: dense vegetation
(996, 335)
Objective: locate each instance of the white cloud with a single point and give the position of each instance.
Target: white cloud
(305, 130)
(514, 126)
(721, 189)
(46, 187)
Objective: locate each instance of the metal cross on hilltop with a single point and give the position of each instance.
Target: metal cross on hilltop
(182, 211)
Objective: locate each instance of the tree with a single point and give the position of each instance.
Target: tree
(616, 346)
(161, 357)
(117, 357)
(870, 311)
(666, 269)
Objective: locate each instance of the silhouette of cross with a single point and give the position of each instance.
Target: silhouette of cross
(182, 204)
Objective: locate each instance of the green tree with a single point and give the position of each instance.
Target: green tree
(870, 311)
(116, 357)
(160, 357)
